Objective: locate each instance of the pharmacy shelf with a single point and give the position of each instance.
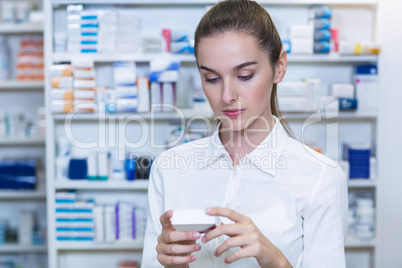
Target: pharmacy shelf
(22, 141)
(211, 2)
(146, 57)
(92, 246)
(332, 58)
(15, 248)
(142, 185)
(137, 185)
(138, 57)
(11, 85)
(22, 195)
(21, 28)
(359, 243)
(362, 183)
(207, 114)
(186, 113)
(358, 115)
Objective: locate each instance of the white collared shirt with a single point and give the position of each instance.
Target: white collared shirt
(294, 195)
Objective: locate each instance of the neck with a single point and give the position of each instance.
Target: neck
(239, 143)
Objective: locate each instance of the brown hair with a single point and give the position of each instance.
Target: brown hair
(247, 17)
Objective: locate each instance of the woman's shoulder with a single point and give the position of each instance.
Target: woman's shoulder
(307, 156)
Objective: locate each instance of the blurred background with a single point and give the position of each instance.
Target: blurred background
(92, 91)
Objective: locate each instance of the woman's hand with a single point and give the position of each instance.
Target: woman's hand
(174, 248)
(246, 235)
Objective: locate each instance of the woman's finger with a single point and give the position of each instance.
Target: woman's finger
(228, 213)
(166, 260)
(176, 236)
(227, 229)
(245, 252)
(237, 241)
(177, 249)
(165, 220)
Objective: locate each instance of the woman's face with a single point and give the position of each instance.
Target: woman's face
(237, 78)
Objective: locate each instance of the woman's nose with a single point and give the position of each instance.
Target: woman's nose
(229, 94)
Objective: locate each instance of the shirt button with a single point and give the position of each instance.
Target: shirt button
(220, 239)
(227, 205)
(235, 173)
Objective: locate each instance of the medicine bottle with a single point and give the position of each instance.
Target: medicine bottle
(365, 218)
(4, 60)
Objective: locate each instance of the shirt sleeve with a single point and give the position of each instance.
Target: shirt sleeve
(155, 210)
(325, 221)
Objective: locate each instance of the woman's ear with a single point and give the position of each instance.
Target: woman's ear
(280, 67)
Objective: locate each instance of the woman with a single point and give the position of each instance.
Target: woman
(282, 204)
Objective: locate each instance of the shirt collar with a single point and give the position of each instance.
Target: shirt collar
(266, 156)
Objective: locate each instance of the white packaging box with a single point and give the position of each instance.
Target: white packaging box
(292, 88)
(110, 224)
(62, 168)
(103, 165)
(294, 103)
(193, 220)
(84, 74)
(127, 105)
(62, 82)
(92, 162)
(84, 84)
(301, 46)
(314, 85)
(61, 106)
(169, 97)
(367, 91)
(124, 73)
(61, 94)
(25, 230)
(143, 95)
(343, 90)
(85, 95)
(126, 92)
(301, 31)
(99, 224)
(156, 96)
(124, 226)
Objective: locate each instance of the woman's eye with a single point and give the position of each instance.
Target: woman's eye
(211, 80)
(245, 77)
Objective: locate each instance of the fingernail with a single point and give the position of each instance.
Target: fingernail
(203, 239)
(209, 210)
(196, 235)
(216, 254)
(197, 247)
(226, 261)
(193, 258)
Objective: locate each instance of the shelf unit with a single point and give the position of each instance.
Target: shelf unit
(205, 114)
(85, 246)
(13, 85)
(54, 120)
(16, 92)
(21, 28)
(211, 2)
(22, 195)
(146, 57)
(22, 141)
(16, 248)
(137, 185)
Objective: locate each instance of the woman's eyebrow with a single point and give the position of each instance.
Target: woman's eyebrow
(208, 69)
(238, 67)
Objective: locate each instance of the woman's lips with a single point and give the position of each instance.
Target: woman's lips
(232, 113)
